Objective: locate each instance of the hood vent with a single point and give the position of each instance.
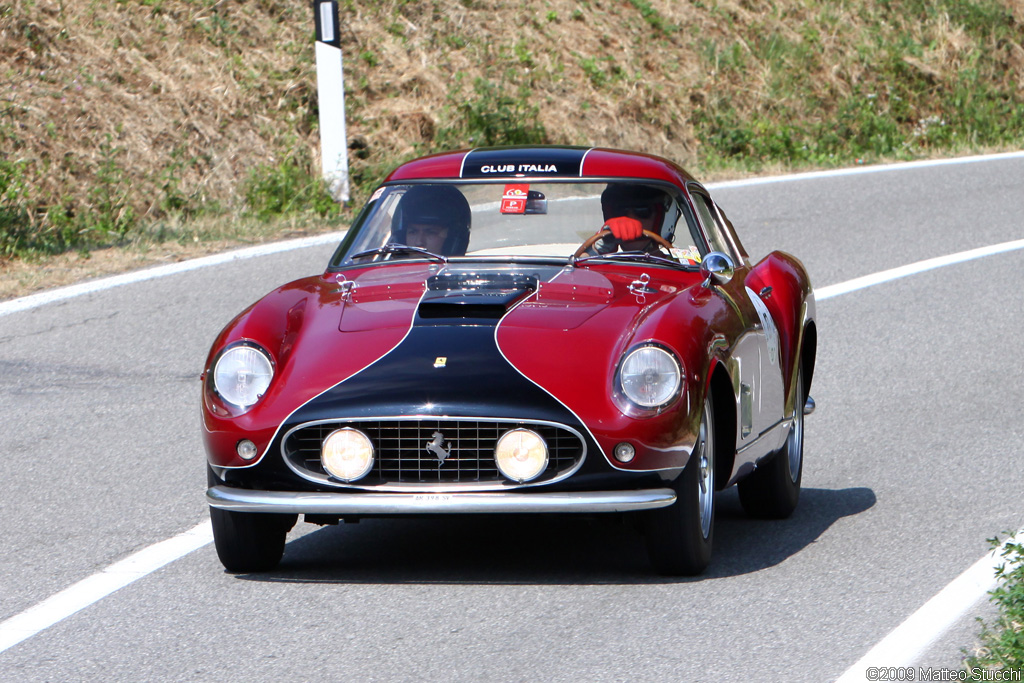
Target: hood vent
(462, 296)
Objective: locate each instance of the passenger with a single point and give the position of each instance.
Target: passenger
(433, 217)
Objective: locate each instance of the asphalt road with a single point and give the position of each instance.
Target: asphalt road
(912, 462)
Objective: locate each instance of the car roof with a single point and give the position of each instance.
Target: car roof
(541, 162)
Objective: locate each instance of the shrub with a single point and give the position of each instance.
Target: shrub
(1003, 642)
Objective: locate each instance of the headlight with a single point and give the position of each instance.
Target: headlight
(650, 377)
(521, 455)
(242, 374)
(347, 454)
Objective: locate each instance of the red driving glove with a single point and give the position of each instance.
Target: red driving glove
(625, 228)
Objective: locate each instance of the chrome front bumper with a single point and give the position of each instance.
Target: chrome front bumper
(292, 502)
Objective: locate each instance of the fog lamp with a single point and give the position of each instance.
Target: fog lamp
(347, 454)
(521, 455)
(624, 452)
(246, 449)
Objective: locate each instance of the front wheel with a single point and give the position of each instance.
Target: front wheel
(773, 490)
(249, 541)
(679, 537)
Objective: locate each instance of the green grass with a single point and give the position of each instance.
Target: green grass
(292, 186)
(495, 113)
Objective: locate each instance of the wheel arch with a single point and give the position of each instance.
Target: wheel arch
(723, 402)
(808, 354)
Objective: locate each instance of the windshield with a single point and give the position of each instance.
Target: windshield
(530, 220)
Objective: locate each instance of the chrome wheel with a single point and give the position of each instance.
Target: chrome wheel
(706, 472)
(795, 440)
(679, 537)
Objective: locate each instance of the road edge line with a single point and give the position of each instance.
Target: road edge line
(906, 643)
(92, 589)
(71, 291)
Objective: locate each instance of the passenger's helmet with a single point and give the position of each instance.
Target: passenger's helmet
(441, 205)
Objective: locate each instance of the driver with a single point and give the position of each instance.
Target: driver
(628, 211)
(433, 217)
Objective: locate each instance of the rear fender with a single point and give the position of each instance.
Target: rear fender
(791, 304)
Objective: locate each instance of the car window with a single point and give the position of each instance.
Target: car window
(709, 220)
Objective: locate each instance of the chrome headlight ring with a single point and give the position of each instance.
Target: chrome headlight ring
(241, 374)
(649, 378)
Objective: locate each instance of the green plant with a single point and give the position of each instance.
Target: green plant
(593, 71)
(498, 114)
(109, 212)
(1003, 642)
(653, 18)
(288, 187)
(15, 224)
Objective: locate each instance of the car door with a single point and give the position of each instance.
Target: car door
(756, 360)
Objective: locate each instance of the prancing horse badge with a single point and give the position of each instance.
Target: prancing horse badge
(436, 446)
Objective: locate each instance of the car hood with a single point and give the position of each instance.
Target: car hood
(463, 335)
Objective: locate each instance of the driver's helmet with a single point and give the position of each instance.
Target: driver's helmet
(636, 201)
(439, 205)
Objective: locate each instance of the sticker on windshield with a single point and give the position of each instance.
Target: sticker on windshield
(514, 198)
(689, 256)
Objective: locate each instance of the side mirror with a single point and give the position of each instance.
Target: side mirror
(717, 269)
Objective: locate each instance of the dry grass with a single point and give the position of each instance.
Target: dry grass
(174, 91)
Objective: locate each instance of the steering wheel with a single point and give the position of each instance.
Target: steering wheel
(604, 232)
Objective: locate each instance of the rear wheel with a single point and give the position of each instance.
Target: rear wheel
(773, 490)
(679, 537)
(249, 541)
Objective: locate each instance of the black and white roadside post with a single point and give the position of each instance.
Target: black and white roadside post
(330, 85)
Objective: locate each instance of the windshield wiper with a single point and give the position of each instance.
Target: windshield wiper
(633, 256)
(392, 248)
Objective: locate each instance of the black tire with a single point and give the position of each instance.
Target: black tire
(249, 541)
(680, 537)
(772, 491)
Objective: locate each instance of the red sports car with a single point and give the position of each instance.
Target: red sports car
(517, 330)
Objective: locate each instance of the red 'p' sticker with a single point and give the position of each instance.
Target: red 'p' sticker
(514, 198)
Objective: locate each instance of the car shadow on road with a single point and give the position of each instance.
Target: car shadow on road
(547, 549)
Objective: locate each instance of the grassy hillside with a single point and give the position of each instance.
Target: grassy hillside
(150, 120)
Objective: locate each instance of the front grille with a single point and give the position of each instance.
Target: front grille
(401, 458)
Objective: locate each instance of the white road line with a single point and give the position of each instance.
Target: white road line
(911, 639)
(863, 170)
(913, 269)
(62, 293)
(98, 586)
